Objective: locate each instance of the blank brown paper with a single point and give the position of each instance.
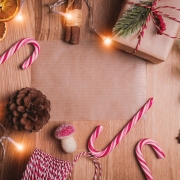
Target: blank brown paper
(89, 81)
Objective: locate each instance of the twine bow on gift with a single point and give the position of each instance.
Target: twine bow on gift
(157, 19)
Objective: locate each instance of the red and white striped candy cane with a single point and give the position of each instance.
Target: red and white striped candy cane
(140, 158)
(119, 137)
(17, 46)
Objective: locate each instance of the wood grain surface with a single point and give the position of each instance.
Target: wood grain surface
(162, 123)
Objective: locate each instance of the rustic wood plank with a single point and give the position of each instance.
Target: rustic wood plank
(162, 123)
(12, 77)
(48, 26)
(15, 161)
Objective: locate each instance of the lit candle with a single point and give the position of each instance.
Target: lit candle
(18, 146)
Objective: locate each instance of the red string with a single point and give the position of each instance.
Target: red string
(155, 15)
(98, 168)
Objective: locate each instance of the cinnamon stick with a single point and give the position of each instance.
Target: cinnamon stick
(67, 31)
(75, 30)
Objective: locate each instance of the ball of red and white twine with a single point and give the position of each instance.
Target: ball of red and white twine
(44, 166)
(121, 134)
(140, 158)
(17, 46)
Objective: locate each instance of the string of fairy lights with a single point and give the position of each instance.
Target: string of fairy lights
(9, 139)
(52, 8)
(69, 16)
(19, 16)
(107, 40)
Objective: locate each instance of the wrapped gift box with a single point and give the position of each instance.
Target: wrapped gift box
(153, 47)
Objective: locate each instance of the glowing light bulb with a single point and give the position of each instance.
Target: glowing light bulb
(68, 16)
(107, 41)
(18, 146)
(19, 17)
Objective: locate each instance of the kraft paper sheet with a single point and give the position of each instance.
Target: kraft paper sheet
(89, 81)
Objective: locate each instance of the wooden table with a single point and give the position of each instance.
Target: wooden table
(162, 123)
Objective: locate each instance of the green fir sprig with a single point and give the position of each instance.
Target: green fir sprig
(132, 20)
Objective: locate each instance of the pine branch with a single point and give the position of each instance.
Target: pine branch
(132, 20)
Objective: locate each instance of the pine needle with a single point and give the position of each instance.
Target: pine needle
(132, 20)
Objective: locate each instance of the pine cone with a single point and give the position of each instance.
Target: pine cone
(28, 110)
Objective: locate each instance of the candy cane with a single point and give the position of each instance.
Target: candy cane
(17, 46)
(119, 137)
(140, 158)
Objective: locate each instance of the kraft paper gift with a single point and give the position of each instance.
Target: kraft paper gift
(153, 47)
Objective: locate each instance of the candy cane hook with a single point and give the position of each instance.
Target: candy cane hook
(140, 158)
(17, 46)
(121, 134)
